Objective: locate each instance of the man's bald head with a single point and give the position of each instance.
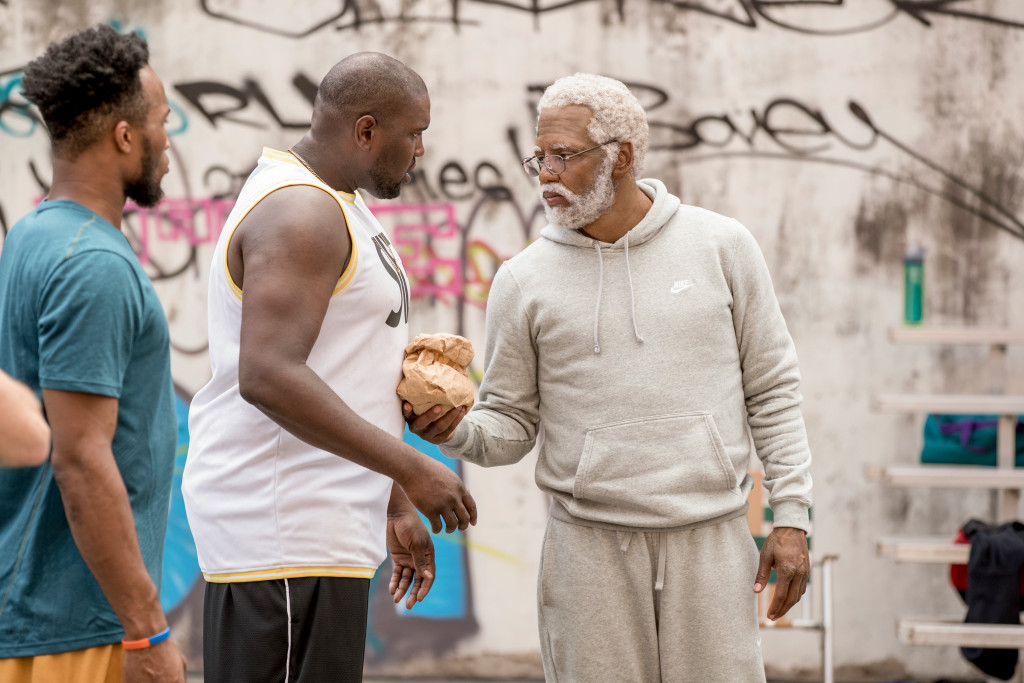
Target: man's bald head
(366, 83)
(368, 121)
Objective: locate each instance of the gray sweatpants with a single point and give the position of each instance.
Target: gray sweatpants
(603, 621)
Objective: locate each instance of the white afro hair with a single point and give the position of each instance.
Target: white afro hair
(617, 113)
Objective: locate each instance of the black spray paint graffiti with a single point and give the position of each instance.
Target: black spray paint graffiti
(807, 135)
(195, 92)
(343, 15)
(799, 16)
(802, 133)
(249, 103)
(804, 16)
(795, 131)
(785, 129)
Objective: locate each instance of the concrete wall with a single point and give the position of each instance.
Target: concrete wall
(840, 133)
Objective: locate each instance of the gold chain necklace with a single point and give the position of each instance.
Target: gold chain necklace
(308, 167)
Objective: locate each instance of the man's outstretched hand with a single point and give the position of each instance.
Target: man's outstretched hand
(433, 426)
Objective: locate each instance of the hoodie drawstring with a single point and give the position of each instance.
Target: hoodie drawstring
(632, 297)
(600, 286)
(600, 283)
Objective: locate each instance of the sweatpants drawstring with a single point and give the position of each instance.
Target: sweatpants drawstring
(662, 559)
(659, 582)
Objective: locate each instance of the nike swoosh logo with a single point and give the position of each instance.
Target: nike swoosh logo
(680, 285)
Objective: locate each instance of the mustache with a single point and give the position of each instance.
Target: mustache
(559, 189)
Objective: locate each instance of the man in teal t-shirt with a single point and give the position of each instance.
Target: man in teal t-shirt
(81, 536)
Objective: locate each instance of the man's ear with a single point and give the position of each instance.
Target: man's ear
(366, 130)
(624, 161)
(123, 137)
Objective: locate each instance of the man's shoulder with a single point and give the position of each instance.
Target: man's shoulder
(70, 237)
(539, 249)
(292, 194)
(280, 178)
(102, 258)
(48, 226)
(710, 226)
(671, 212)
(289, 205)
(707, 217)
(541, 253)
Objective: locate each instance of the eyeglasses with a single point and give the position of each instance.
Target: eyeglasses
(554, 162)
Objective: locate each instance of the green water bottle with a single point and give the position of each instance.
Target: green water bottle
(913, 286)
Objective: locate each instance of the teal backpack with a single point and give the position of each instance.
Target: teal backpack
(965, 440)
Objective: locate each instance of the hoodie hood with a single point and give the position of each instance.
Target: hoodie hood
(663, 208)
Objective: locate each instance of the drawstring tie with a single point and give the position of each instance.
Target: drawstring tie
(600, 288)
(632, 297)
(600, 283)
(659, 581)
(662, 558)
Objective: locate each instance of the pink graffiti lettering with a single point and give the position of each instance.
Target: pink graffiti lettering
(178, 219)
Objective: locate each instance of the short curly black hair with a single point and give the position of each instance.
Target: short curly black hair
(83, 81)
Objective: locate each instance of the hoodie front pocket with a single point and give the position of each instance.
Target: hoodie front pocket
(666, 463)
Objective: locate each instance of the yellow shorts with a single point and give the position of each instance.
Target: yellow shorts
(100, 664)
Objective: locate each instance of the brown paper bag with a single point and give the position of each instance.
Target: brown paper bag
(435, 374)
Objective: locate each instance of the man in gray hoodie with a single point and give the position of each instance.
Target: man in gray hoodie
(646, 337)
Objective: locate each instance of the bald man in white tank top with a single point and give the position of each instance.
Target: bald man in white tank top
(296, 441)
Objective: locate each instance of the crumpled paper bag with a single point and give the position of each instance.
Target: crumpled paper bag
(435, 374)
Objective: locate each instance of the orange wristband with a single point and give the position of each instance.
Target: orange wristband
(146, 642)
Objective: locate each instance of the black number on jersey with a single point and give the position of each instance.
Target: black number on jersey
(390, 262)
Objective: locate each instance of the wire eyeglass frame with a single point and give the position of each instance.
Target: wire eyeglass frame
(532, 165)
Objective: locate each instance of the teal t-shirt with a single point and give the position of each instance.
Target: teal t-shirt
(78, 313)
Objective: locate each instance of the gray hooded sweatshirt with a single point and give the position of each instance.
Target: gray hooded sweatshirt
(645, 360)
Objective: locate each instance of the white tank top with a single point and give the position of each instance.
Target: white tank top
(261, 503)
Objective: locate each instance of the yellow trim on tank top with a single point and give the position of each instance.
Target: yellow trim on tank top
(290, 573)
(287, 158)
(346, 276)
(349, 273)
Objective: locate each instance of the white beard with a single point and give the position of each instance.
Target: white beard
(582, 209)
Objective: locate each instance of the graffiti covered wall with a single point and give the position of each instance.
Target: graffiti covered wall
(842, 133)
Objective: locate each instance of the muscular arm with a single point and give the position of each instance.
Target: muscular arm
(287, 255)
(101, 522)
(26, 441)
